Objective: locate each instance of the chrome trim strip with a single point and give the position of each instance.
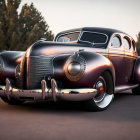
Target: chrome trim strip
(121, 55)
(83, 91)
(125, 87)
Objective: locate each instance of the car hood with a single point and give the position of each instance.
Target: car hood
(45, 48)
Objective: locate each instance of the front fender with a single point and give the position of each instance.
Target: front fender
(96, 64)
(9, 60)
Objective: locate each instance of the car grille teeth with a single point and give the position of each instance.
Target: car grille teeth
(39, 68)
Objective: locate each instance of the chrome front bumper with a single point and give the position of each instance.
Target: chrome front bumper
(45, 94)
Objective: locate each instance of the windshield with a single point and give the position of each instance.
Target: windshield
(68, 37)
(93, 37)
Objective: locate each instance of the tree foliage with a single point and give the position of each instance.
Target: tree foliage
(138, 43)
(19, 30)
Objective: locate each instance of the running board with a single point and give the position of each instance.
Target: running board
(125, 87)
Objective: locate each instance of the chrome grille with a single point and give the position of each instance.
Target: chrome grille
(40, 67)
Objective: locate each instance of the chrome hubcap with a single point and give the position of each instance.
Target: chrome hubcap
(102, 99)
(100, 85)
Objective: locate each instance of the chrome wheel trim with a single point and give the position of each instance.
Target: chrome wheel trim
(106, 101)
(100, 85)
(106, 98)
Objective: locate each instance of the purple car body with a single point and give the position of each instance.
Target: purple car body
(86, 64)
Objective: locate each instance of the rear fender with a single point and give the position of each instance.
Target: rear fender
(136, 73)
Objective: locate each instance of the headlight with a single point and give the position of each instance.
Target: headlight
(74, 68)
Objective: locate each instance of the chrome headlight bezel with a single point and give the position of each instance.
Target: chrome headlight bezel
(74, 68)
(77, 73)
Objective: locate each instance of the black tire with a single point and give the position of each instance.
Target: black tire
(104, 100)
(12, 101)
(136, 90)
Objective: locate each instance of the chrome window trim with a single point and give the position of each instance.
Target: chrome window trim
(129, 41)
(133, 45)
(79, 39)
(56, 40)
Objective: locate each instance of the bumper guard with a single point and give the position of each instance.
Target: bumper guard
(44, 93)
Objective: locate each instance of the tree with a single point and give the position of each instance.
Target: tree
(2, 24)
(32, 26)
(11, 17)
(19, 31)
(138, 43)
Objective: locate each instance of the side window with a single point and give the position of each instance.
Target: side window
(116, 42)
(134, 45)
(126, 43)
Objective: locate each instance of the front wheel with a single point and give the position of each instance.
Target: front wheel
(105, 93)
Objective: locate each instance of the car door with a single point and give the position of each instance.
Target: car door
(117, 56)
(130, 57)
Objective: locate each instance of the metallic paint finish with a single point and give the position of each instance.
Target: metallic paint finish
(46, 49)
(136, 72)
(98, 59)
(28, 64)
(1, 65)
(122, 59)
(19, 59)
(10, 60)
(96, 64)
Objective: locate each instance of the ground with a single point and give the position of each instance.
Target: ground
(69, 121)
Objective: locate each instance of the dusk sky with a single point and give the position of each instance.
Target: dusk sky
(68, 14)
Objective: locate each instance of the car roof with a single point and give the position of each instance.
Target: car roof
(101, 29)
(93, 29)
(107, 31)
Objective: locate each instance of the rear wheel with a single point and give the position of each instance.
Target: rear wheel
(105, 93)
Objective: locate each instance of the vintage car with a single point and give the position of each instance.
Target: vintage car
(87, 64)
